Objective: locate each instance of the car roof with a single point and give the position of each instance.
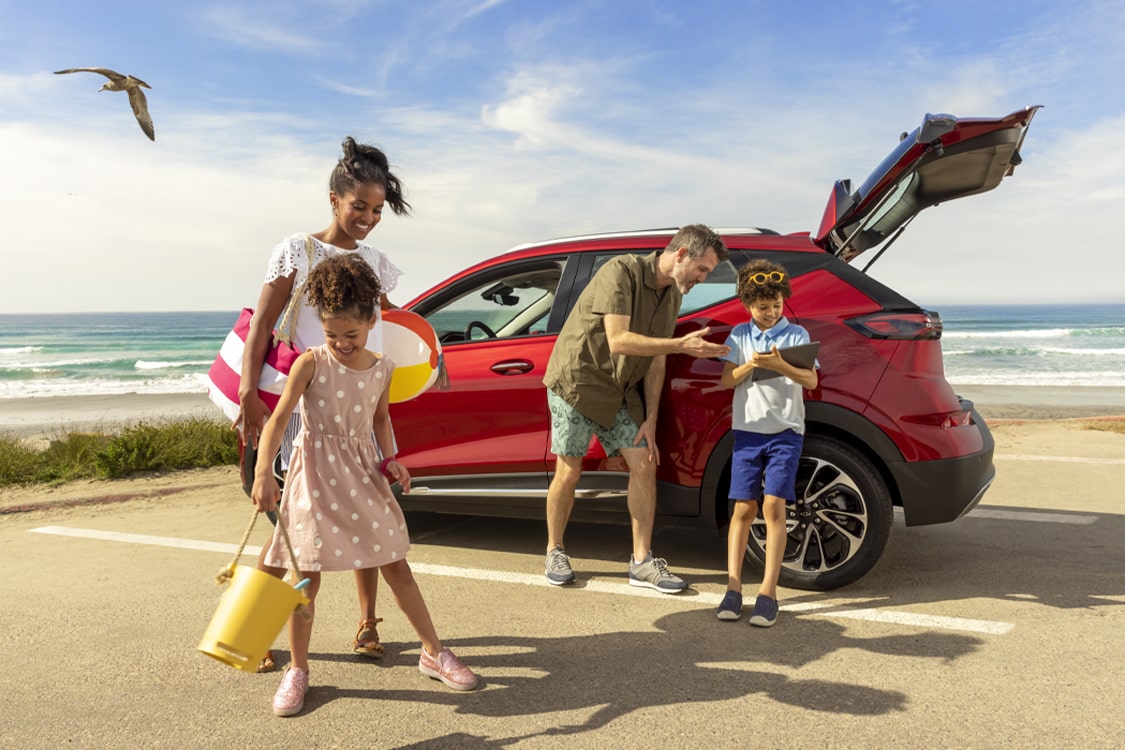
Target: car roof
(664, 232)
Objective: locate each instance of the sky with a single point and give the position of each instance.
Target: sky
(512, 121)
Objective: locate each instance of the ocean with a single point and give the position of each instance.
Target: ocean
(170, 352)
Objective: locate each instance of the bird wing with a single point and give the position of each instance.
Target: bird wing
(112, 75)
(140, 109)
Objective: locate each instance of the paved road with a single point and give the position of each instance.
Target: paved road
(1000, 630)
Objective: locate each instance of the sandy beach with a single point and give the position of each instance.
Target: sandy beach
(49, 417)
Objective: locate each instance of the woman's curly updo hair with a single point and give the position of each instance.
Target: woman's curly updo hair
(365, 165)
(344, 285)
(750, 292)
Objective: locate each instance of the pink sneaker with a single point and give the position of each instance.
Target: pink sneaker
(447, 668)
(290, 696)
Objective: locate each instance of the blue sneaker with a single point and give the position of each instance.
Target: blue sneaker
(765, 611)
(730, 608)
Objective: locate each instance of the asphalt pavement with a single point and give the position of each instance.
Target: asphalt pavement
(1002, 629)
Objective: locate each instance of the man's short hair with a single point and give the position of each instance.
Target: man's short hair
(697, 238)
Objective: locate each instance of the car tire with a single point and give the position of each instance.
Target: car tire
(840, 523)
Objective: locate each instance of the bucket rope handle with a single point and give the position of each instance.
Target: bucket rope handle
(224, 575)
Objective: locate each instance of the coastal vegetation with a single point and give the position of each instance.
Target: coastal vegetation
(145, 447)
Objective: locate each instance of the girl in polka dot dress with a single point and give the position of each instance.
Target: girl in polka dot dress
(338, 508)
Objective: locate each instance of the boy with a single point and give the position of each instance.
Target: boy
(769, 427)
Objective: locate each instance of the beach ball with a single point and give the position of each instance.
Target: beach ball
(411, 342)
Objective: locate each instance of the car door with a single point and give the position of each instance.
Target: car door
(489, 426)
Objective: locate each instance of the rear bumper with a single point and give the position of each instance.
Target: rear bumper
(943, 491)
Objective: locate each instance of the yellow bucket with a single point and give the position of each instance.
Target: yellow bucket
(251, 613)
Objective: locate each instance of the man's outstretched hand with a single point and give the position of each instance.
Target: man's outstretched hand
(697, 346)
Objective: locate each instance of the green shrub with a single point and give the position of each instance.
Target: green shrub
(186, 444)
(171, 446)
(71, 457)
(1116, 425)
(19, 464)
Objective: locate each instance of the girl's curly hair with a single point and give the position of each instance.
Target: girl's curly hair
(344, 285)
(363, 165)
(750, 291)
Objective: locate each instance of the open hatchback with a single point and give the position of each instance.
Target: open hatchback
(943, 159)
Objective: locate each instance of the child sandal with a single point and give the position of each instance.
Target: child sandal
(366, 641)
(267, 664)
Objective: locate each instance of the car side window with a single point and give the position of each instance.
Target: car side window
(718, 287)
(501, 303)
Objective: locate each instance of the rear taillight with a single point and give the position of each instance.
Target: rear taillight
(901, 326)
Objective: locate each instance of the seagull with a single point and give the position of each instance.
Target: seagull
(129, 84)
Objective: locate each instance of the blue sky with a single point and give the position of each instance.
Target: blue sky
(511, 121)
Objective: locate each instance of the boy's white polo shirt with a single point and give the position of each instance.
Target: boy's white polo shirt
(766, 406)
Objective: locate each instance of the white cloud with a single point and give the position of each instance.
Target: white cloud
(256, 29)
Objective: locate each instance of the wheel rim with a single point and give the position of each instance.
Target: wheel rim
(827, 524)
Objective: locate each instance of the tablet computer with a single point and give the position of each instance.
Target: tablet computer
(803, 356)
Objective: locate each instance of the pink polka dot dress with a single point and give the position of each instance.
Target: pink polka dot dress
(337, 506)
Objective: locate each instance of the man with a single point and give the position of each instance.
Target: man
(605, 376)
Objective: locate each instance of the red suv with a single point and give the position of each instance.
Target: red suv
(884, 428)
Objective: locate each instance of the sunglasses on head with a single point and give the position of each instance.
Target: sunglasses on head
(762, 278)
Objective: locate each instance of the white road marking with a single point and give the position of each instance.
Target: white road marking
(158, 541)
(939, 622)
(1062, 459)
(1030, 515)
(816, 609)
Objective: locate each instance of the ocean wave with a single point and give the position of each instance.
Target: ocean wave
(5, 351)
(1045, 333)
(56, 363)
(1033, 333)
(1120, 351)
(193, 383)
(144, 365)
(1036, 351)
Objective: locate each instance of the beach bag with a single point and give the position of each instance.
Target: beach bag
(226, 371)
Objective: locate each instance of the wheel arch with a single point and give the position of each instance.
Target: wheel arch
(828, 420)
(858, 433)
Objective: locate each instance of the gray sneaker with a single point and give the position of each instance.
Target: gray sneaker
(558, 568)
(653, 573)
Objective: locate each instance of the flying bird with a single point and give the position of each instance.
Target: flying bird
(131, 86)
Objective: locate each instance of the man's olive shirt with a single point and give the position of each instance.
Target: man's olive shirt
(581, 369)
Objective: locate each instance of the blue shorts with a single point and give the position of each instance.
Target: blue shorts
(765, 460)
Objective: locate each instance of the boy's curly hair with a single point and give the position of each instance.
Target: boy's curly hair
(344, 285)
(750, 292)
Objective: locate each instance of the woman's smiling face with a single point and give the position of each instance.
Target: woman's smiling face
(357, 213)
